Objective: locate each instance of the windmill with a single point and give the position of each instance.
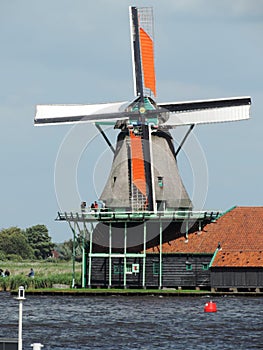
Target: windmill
(144, 174)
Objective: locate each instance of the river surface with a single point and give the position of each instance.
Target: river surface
(135, 322)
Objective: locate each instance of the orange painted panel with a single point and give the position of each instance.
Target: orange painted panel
(148, 61)
(138, 171)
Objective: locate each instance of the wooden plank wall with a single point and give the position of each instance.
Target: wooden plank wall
(243, 277)
(178, 270)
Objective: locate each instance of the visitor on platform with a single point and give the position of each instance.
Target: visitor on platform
(83, 206)
(103, 206)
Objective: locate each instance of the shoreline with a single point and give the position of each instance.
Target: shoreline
(130, 292)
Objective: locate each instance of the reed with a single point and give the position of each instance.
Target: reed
(47, 273)
(13, 282)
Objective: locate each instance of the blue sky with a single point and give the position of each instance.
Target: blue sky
(79, 52)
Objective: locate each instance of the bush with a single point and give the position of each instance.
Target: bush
(2, 256)
(14, 257)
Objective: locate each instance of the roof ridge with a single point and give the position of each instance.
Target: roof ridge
(226, 211)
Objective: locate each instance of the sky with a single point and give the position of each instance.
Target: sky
(68, 52)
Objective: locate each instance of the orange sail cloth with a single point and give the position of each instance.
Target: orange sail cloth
(147, 54)
(138, 171)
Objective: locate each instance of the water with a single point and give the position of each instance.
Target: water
(141, 322)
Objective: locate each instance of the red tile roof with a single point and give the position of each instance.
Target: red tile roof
(240, 233)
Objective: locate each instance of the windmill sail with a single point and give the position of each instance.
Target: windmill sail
(171, 114)
(142, 43)
(66, 114)
(206, 111)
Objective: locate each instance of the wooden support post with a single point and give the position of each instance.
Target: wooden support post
(87, 238)
(84, 270)
(90, 252)
(81, 234)
(125, 258)
(160, 255)
(144, 257)
(74, 255)
(110, 251)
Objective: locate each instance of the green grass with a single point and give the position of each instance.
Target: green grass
(47, 273)
(115, 291)
(41, 267)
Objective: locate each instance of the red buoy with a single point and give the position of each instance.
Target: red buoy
(210, 307)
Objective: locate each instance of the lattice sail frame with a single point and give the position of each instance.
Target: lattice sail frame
(144, 66)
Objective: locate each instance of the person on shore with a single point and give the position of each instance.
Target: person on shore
(31, 273)
(7, 273)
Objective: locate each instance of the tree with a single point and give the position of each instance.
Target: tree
(65, 249)
(14, 242)
(40, 241)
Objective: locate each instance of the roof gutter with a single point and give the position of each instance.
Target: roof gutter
(213, 257)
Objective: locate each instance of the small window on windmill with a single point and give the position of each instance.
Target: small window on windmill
(205, 266)
(160, 181)
(188, 266)
(156, 268)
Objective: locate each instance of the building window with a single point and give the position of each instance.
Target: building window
(156, 268)
(160, 181)
(188, 266)
(205, 266)
(118, 269)
(128, 268)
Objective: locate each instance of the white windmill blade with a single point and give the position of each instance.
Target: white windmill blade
(206, 111)
(68, 114)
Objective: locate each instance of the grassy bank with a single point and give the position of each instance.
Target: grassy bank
(47, 273)
(116, 291)
(41, 267)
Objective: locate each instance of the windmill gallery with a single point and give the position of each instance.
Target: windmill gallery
(148, 234)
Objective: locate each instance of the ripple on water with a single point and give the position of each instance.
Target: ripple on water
(145, 323)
